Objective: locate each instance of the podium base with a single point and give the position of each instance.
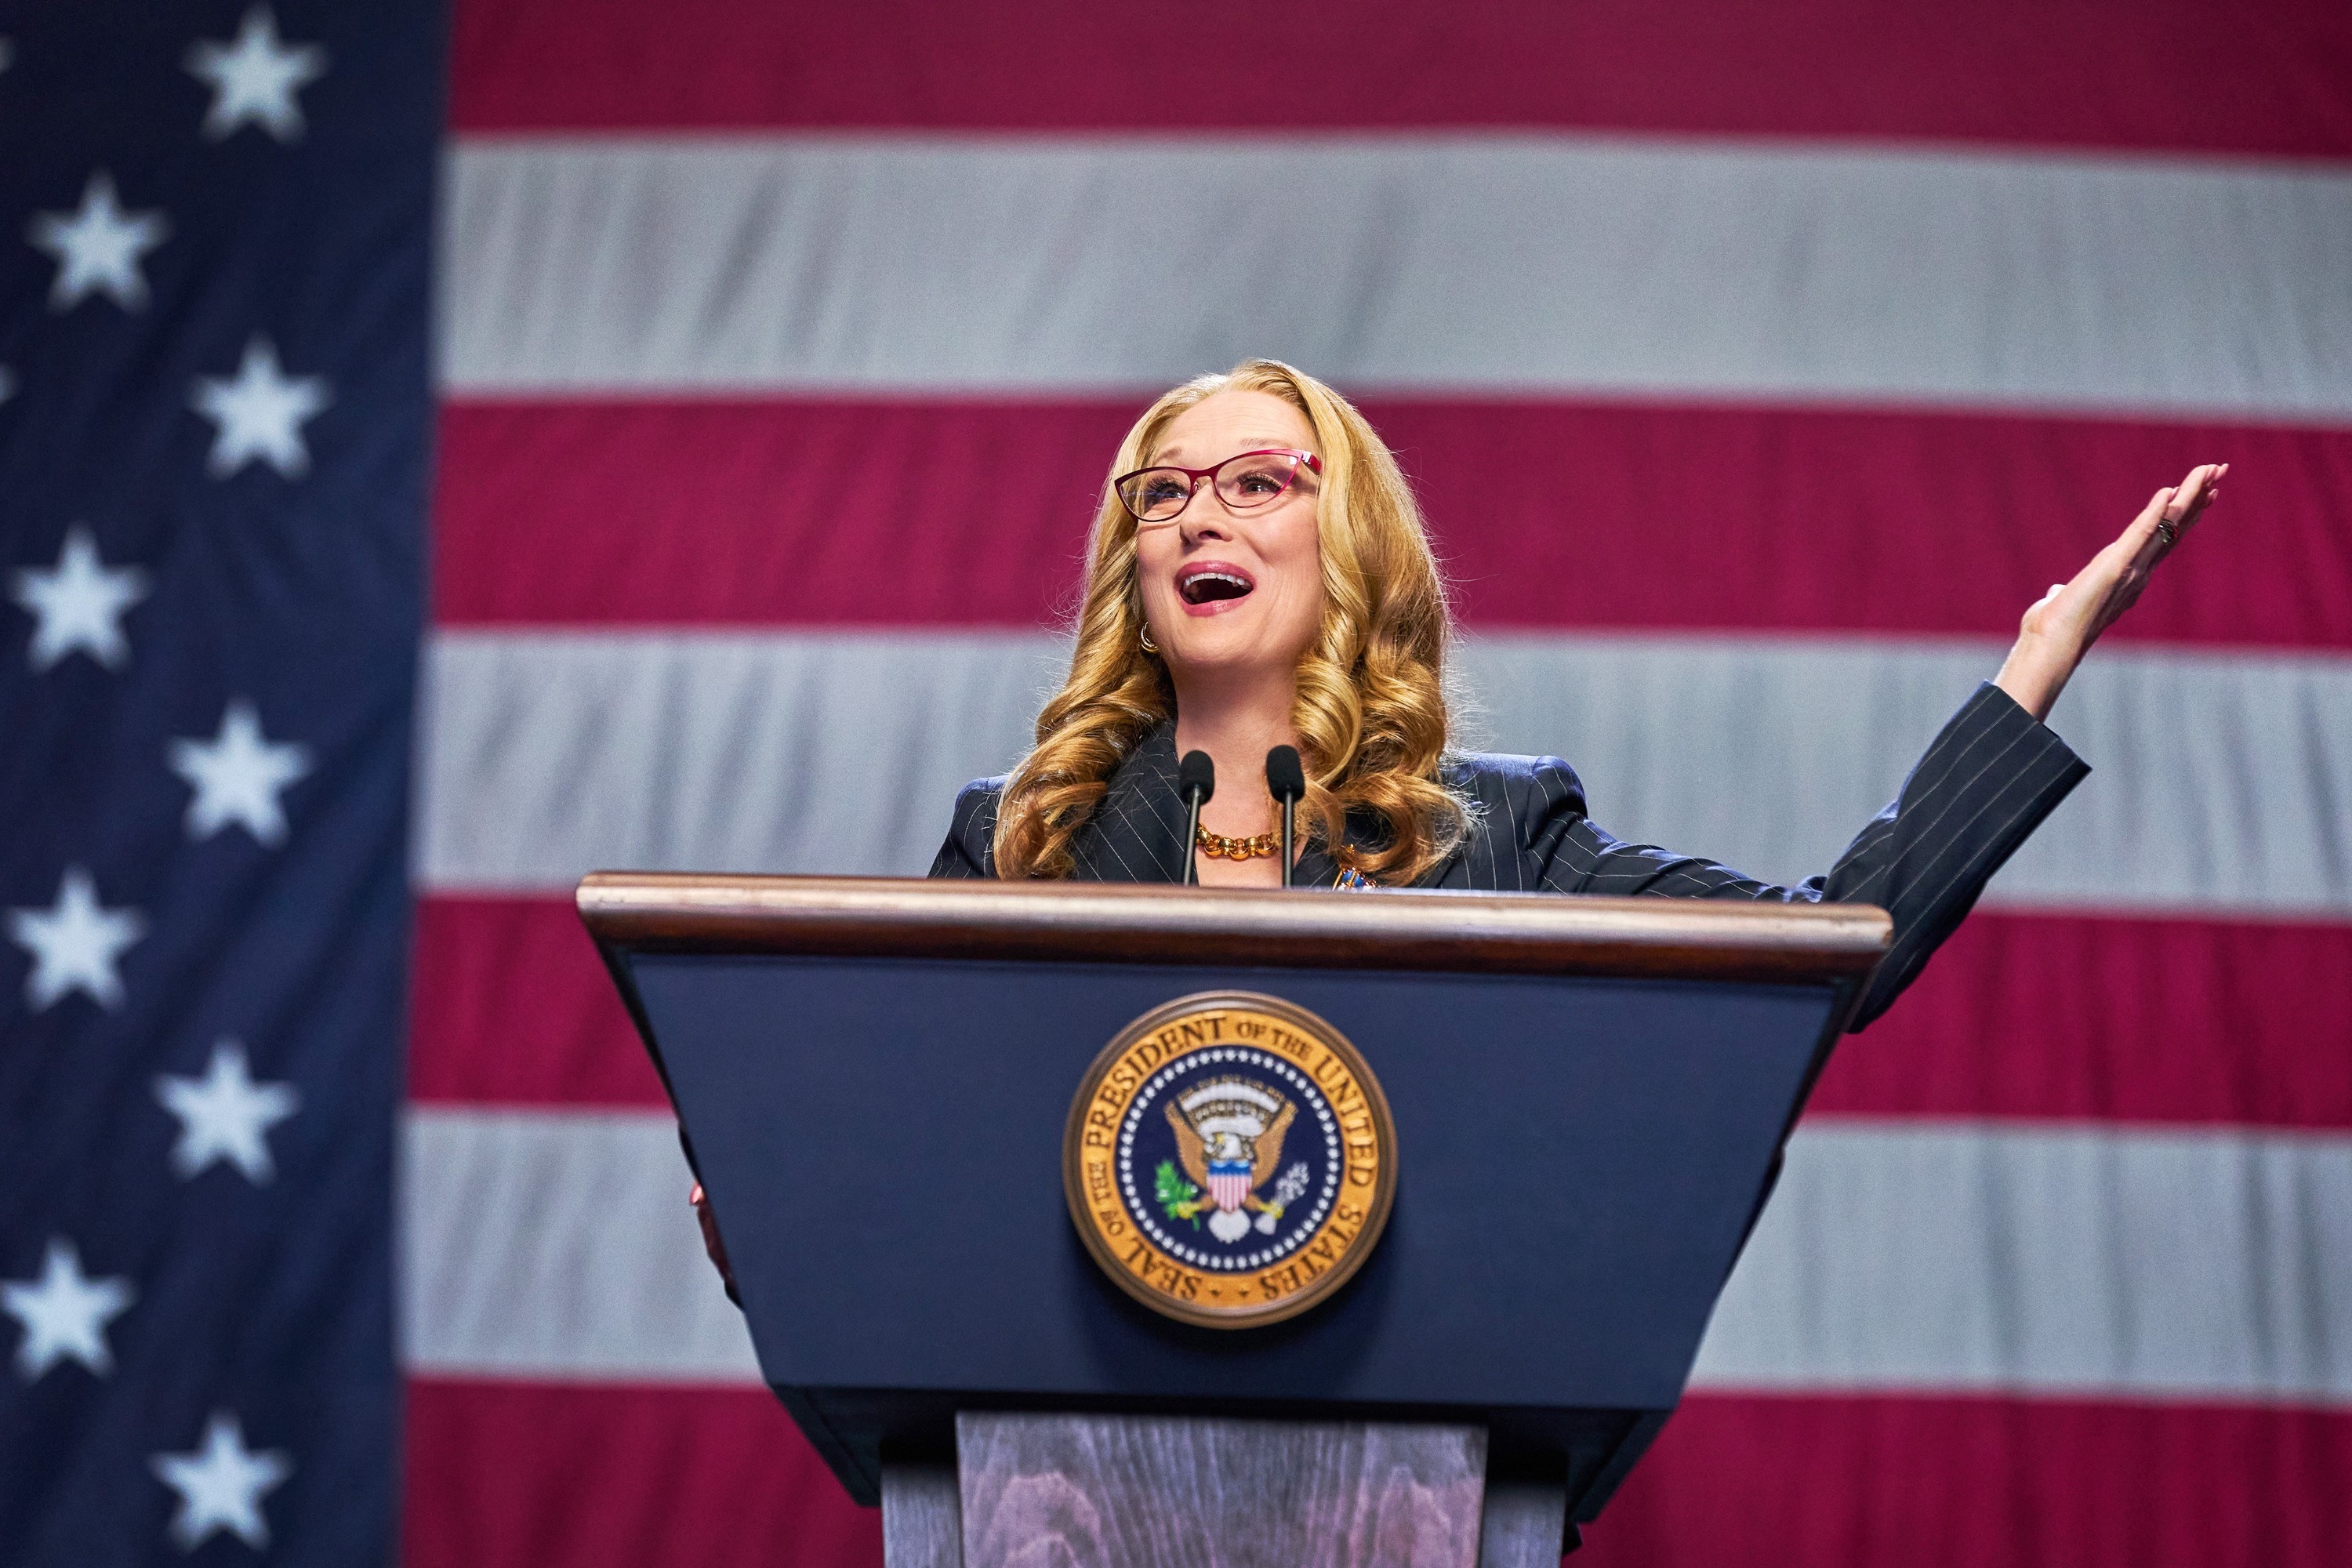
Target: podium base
(1130, 1491)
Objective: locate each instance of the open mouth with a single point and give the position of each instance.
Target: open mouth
(1213, 582)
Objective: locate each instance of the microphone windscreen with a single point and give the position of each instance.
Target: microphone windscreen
(1195, 774)
(1284, 779)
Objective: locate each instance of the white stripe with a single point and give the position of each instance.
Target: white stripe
(557, 1244)
(2150, 1264)
(2220, 782)
(582, 265)
(549, 755)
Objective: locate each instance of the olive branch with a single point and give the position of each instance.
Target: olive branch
(1179, 1198)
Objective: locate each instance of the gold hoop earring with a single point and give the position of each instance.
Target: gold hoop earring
(1143, 640)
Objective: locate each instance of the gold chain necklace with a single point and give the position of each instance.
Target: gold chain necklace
(1217, 847)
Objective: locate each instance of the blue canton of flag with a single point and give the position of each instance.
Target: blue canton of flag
(214, 424)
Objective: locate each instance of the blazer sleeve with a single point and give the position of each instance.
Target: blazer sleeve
(1983, 786)
(969, 849)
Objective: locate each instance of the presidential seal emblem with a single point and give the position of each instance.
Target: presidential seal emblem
(1229, 1160)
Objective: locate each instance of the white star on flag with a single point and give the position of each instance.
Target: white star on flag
(75, 943)
(98, 248)
(79, 603)
(221, 1485)
(259, 412)
(225, 1115)
(65, 1314)
(238, 776)
(254, 79)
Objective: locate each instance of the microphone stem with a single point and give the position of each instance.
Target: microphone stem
(1289, 826)
(1193, 839)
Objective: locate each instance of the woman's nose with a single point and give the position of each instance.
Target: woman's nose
(1206, 521)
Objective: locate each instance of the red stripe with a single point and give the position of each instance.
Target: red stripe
(1960, 1483)
(510, 1006)
(783, 513)
(2133, 1020)
(518, 1475)
(533, 1475)
(2020, 1015)
(2259, 76)
(1560, 515)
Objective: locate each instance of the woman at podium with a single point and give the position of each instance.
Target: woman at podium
(1259, 576)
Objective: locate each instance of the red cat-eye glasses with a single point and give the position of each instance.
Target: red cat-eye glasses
(1243, 480)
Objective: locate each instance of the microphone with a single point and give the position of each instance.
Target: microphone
(1196, 781)
(1287, 781)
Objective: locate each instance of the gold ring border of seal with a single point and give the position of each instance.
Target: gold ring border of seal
(1384, 1180)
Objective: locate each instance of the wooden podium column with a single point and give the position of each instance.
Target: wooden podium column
(1113, 1491)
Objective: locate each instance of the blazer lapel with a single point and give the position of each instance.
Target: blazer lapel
(1137, 833)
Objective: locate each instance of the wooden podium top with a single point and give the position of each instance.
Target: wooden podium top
(1097, 922)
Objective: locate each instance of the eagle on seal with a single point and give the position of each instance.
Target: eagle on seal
(1229, 1134)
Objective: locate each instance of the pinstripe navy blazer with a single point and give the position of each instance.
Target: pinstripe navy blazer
(1985, 783)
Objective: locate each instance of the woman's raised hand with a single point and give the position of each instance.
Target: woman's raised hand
(2064, 622)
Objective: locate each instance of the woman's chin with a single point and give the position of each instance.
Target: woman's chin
(1221, 659)
(1219, 650)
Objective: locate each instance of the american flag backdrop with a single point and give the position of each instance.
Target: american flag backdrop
(1757, 366)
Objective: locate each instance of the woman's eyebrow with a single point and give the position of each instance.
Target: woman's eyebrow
(1248, 444)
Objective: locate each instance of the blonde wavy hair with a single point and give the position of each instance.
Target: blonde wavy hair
(1372, 710)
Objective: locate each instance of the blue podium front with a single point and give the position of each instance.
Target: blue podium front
(876, 1079)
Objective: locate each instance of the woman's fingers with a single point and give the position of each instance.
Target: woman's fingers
(2165, 519)
(2199, 491)
(2169, 514)
(2196, 493)
(712, 1247)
